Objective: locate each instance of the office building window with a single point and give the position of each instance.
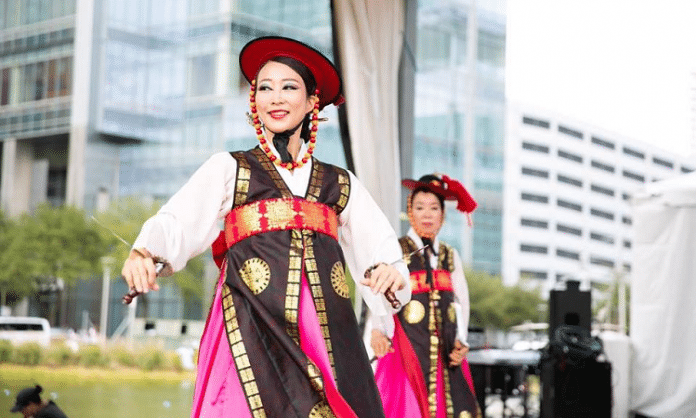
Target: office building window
(627, 220)
(201, 75)
(633, 153)
(602, 214)
(433, 48)
(533, 223)
(569, 229)
(569, 180)
(570, 156)
(602, 190)
(602, 166)
(567, 254)
(600, 261)
(531, 197)
(625, 196)
(535, 173)
(627, 244)
(5, 87)
(603, 143)
(634, 176)
(537, 249)
(663, 163)
(535, 122)
(687, 170)
(607, 239)
(627, 267)
(569, 205)
(570, 132)
(535, 147)
(491, 49)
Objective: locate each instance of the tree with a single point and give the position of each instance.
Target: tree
(125, 217)
(496, 305)
(50, 244)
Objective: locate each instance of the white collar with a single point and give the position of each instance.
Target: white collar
(419, 242)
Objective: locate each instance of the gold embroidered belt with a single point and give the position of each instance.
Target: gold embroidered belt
(441, 281)
(278, 215)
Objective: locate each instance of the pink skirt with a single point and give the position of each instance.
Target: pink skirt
(218, 392)
(394, 376)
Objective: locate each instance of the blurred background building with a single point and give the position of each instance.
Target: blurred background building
(109, 98)
(101, 99)
(568, 187)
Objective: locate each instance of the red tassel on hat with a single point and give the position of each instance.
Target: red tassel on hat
(465, 202)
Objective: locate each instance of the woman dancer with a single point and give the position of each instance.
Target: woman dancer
(281, 338)
(422, 371)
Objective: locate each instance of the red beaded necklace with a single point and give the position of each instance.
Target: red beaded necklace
(264, 143)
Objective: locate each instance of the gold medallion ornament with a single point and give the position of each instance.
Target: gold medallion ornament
(321, 410)
(451, 313)
(338, 280)
(256, 274)
(414, 312)
(465, 414)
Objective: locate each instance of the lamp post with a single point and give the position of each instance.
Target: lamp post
(107, 262)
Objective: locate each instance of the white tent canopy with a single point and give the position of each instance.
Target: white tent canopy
(663, 310)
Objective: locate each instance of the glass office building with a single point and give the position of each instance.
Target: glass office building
(101, 99)
(460, 113)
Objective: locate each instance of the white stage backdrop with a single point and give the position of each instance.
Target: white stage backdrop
(369, 35)
(663, 299)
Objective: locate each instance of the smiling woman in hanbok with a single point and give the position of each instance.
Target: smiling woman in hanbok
(281, 338)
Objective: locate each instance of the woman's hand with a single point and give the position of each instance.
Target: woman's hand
(458, 353)
(139, 271)
(380, 344)
(384, 277)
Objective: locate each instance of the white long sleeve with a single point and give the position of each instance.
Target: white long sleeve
(188, 223)
(368, 238)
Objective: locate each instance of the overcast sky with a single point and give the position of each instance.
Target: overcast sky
(621, 65)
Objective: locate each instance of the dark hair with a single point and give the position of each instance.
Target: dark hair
(309, 81)
(427, 190)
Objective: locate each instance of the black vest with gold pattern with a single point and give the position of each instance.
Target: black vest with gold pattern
(261, 295)
(429, 321)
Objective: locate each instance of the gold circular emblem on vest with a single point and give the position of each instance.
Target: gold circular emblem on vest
(321, 410)
(338, 280)
(465, 414)
(256, 274)
(414, 312)
(451, 313)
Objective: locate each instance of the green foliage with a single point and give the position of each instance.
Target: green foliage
(173, 362)
(29, 354)
(126, 217)
(496, 305)
(6, 351)
(51, 243)
(123, 357)
(92, 356)
(61, 355)
(151, 359)
(606, 309)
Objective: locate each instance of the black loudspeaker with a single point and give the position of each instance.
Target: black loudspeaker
(571, 307)
(575, 392)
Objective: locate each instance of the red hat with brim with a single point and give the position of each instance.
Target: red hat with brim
(259, 51)
(430, 182)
